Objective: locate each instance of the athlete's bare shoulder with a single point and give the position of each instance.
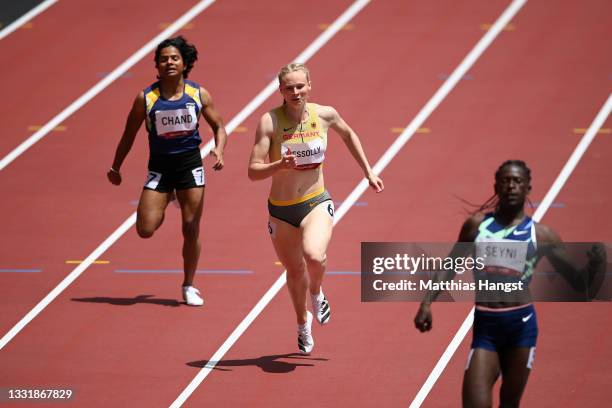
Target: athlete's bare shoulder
(469, 230)
(327, 113)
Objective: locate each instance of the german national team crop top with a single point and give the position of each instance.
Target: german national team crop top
(508, 251)
(306, 140)
(173, 125)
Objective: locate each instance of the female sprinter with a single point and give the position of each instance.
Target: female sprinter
(505, 328)
(171, 108)
(293, 137)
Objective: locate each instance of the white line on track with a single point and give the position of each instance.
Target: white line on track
(105, 82)
(282, 279)
(386, 158)
(319, 42)
(26, 17)
(552, 193)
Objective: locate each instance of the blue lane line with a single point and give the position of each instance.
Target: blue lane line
(356, 204)
(199, 271)
(555, 204)
(20, 270)
(343, 273)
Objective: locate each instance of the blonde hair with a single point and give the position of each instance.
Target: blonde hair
(289, 68)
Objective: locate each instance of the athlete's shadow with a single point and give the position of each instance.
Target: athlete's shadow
(130, 301)
(269, 364)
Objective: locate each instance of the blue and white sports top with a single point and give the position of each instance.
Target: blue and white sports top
(173, 125)
(507, 251)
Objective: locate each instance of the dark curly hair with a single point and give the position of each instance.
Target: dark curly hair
(188, 51)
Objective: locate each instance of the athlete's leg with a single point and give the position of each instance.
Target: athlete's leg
(316, 234)
(150, 213)
(287, 243)
(481, 373)
(191, 201)
(515, 367)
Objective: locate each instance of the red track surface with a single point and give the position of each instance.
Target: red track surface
(124, 340)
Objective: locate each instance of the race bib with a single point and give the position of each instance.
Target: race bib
(198, 176)
(175, 123)
(306, 153)
(502, 256)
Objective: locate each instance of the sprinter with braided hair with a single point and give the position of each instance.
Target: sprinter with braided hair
(505, 328)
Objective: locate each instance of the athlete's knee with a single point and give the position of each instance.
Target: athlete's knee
(144, 231)
(510, 398)
(191, 229)
(315, 259)
(475, 400)
(295, 270)
(476, 394)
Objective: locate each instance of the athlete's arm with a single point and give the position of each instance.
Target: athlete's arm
(551, 246)
(351, 140)
(423, 319)
(134, 120)
(214, 120)
(258, 168)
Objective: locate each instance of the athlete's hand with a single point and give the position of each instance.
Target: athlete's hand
(376, 182)
(114, 176)
(423, 319)
(218, 155)
(289, 161)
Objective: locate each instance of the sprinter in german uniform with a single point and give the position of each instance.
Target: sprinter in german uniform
(290, 146)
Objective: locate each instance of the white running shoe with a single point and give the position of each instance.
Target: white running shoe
(305, 340)
(321, 308)
(191, 296)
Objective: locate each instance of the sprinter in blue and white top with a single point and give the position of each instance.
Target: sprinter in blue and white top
(171, 108)
(505, 327)
(173, 124)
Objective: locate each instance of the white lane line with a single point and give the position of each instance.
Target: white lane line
(386, 158)
(448, 85)
(127, 224)
(26, 17)
(282, 279)
(130, 221)
(461, 70)
(552, 193)
(577, 154)
(105, 82)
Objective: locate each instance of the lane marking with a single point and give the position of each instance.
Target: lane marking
(105, 82)
(336, 26)
(24, 20)
(358, 273)
(346, 27)
(466, 77)
(552, 193)
(59, 128)
(79, 261)
(199, 271)
(603, 131)
(188, 26)
(421, 130)
(20, 270)
(363, 185)
(259, 99)
(508, 27)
